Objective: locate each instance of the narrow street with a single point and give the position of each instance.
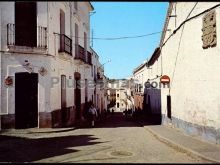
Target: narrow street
(116, 140)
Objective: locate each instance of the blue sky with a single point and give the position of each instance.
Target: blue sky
(119, 19)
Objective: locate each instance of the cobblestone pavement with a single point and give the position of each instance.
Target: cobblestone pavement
(117, 140)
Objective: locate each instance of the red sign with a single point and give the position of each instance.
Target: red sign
(9, 80)
(165, 79)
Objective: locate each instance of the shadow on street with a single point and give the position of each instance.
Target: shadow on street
(118, 119)
(113, 121)
(17, 149)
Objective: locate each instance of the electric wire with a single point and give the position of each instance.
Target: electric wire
(116, 38)
(205, 11)
(175, 64)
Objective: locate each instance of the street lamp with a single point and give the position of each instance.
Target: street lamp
(104, 63)
(91, 13)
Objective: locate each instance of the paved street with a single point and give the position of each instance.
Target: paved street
(116, 140)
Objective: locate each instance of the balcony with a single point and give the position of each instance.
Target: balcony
(65, 44)
(16, 39)
(99, 77)
(89, 58)
(81, 55)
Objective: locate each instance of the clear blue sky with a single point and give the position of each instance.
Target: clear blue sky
(119, 19)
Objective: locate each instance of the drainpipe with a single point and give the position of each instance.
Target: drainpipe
(70, 20)
(48, 34)
(0, 68)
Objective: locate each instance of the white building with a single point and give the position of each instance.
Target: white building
(44, 51)
(189, 55)
(100, 93)
(120, 93)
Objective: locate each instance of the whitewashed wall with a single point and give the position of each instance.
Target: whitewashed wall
(195, 84)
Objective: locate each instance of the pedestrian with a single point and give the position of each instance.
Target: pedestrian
(126, 113)
(93, 114)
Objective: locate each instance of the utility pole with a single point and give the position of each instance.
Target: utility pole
(91, 41)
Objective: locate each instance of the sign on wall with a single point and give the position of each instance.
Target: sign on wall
(8, 81)
(209, 30)
(165, 79)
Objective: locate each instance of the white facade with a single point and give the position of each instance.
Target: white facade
(121, 91)
(100, 94)
(15, 59)
(193, 72)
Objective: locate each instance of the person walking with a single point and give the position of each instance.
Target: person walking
(93, 115)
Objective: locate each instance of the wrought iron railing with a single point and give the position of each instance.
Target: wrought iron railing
(89, 58)
(80, 53)
(65, 44)
(41, 36)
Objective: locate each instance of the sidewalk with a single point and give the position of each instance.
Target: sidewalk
(185, 143)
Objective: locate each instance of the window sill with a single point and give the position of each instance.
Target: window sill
(26, 49)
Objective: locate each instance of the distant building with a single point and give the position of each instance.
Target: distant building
(140, 76)
(100, 90)
(120, 94)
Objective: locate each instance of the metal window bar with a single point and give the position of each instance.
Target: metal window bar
(10, 34)
(42, 37)
(65, 44)
(41, 31)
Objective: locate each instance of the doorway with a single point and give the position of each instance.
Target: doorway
(169, 106)
(26, 100)
(77, 97)
(63, 99)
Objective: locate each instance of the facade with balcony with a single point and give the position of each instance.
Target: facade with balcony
(100, 83)
(139, 75)
(44, 51)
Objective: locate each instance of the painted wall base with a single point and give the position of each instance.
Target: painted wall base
(209, 134)
(46, 119)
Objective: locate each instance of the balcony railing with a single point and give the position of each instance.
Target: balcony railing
(65, 44)
(99, 76)
(89, 58)
(41, 36)
(80, 53)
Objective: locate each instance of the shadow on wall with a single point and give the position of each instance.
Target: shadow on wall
(152, 113)
(17, 149)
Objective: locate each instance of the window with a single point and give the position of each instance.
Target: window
(65, 42)
(92, 70)
(75, 5)
(117, 95)
(62, 22)
(117, 105)
(76, 39)
(85, 45)
(86, 90)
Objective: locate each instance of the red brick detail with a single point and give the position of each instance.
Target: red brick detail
(8, 121)
(45, 120)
